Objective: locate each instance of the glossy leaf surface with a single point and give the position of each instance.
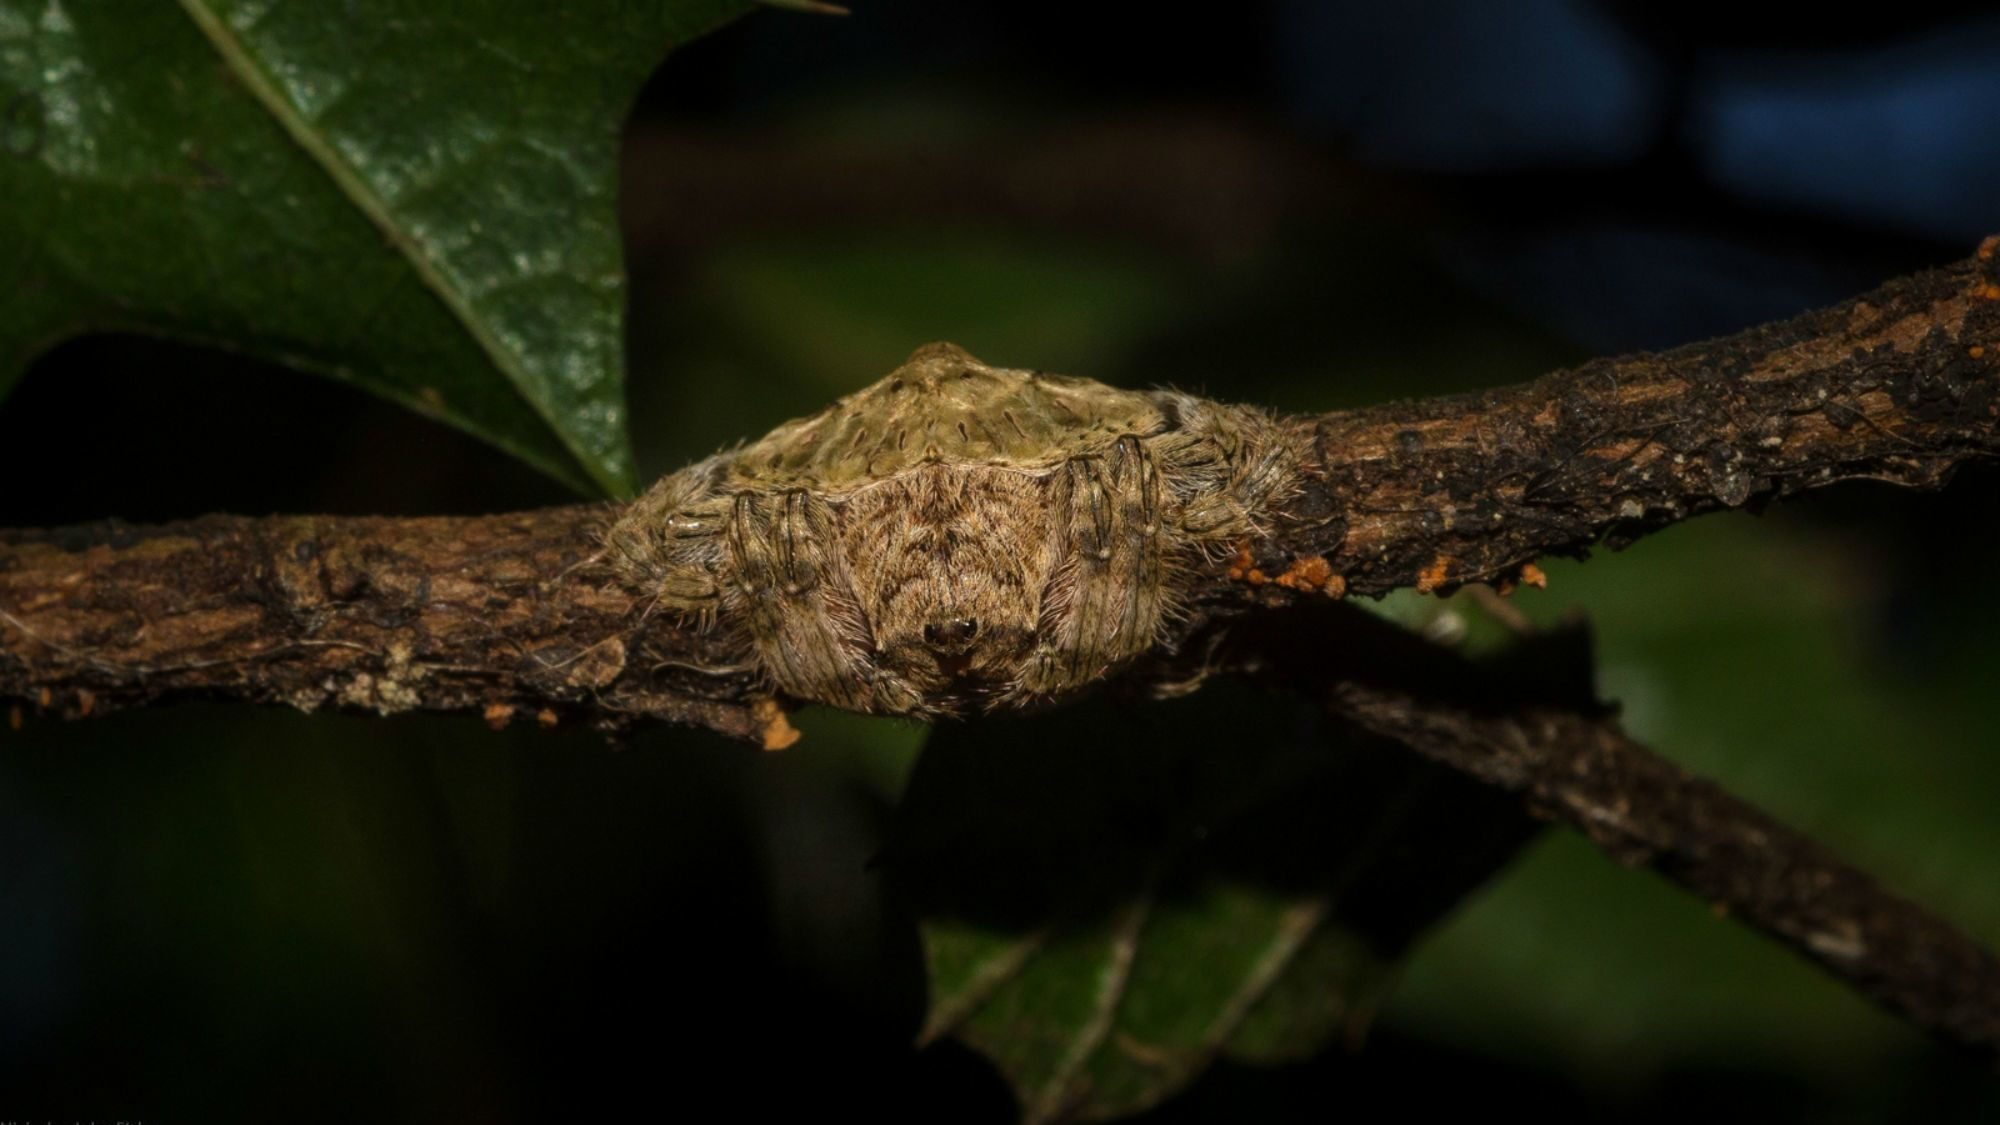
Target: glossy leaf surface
(418, 198)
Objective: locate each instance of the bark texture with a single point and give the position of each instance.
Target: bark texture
(1900, 385)
(500, 615)
(382, 615)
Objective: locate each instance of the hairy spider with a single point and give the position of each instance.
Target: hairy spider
(956, 537)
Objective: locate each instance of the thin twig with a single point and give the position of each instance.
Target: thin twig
(1527, 722)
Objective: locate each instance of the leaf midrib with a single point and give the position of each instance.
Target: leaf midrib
(351, 184)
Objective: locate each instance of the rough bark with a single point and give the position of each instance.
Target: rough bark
(1900, 385)
(496, 615)
(454, 614)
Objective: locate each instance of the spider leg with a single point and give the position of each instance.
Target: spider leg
(671, 541)
(1108, 595)
(808, 628)
(1228, 466)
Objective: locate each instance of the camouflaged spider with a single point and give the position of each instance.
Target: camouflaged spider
(956, 537)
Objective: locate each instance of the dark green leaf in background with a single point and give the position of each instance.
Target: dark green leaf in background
(1113, 898)
(417, 197)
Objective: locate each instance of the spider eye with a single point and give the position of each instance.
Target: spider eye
(951, 634)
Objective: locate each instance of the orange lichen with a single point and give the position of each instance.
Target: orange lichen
(45, 699)
(1239, 563)
(1531, 575)
(1989, 291)
(1257, 577)
(1306, 575)
(1976, 350)
(778, 730)
(1433, 576)
(1987, 246)
(547, 718)
(86, 702)
(498, 715)
(1336, 587)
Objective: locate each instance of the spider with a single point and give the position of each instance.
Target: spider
(956, 537)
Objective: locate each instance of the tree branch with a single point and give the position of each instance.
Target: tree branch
(1527, 722)
(1900, 385)
(1643, 810)
(487, 614)
(497, 615)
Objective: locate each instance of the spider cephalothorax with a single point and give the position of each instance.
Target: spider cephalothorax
(956, 536)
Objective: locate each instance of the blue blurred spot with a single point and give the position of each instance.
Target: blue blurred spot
(1471, 85)
(1904, 136)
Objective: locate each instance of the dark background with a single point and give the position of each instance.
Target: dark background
(213, 912)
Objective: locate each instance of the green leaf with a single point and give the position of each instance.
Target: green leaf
(1112, 899)
(416, 197)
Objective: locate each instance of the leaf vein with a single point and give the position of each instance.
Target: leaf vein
(238, 57)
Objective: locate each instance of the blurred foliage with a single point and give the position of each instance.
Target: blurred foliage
(344, 191)
(1115, 896)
